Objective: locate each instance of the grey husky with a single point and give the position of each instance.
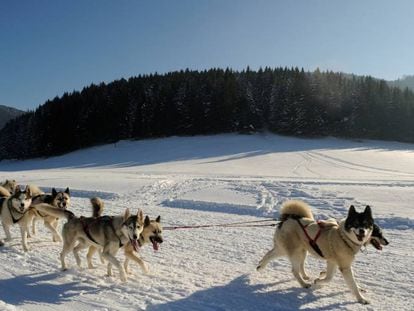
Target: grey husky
(14, 210)
(152, 233)
(298, 233)
(107, 232)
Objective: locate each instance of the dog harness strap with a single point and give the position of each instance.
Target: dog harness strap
(109, 219)
(86, 229)
(40, 214)
(312, 242)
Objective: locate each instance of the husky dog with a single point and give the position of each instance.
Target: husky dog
(377, 238)
(14, 210)
(152, 233)
(298, 233)
(7, 188)
(107, 232)
(60, 199)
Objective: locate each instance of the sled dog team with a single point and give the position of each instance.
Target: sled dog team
(106, 234)
(296, 235)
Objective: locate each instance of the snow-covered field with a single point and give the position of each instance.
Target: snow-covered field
(213, 180)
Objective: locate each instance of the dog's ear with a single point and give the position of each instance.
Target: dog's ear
(351, 210)
(368, 211)
(17, 189)
(126, 214)
(147, 221)
(7, 181)
(350, 217)
(67, 191)
(28, 191)
(54, 192)
(140, 215)
(158, 219)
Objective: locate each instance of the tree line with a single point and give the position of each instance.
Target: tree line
(287, 101)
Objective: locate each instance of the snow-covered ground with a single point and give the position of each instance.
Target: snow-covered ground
(213, 180)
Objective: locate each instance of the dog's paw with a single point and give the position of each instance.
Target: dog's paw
(322, 274)
(363, 301)
(259, 268)
(307, 285)
(57, 239)
(306, 277)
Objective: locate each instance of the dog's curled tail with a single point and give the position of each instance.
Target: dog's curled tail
(53, 211)
(295, 209)
(97, 207)
(35, 190)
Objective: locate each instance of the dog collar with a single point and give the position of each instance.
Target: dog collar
(346, 239)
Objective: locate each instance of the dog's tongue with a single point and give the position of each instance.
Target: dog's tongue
(135, 245)
(155, 246)
(377, 245)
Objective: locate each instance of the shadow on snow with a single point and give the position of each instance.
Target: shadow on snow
(240, 295)
(36, 288)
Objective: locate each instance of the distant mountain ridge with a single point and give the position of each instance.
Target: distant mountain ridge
(8, 113)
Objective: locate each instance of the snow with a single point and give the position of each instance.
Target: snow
(213, 180)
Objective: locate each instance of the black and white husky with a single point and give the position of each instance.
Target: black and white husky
(15, 210)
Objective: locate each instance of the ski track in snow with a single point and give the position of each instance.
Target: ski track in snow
(214, 268)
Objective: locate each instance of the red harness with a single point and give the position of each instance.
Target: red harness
(312, 242)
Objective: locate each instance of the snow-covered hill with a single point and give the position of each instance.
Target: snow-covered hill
(211, 180)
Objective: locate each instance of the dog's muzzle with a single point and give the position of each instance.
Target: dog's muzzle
(360, 235)
(376, 244)
(156, 241)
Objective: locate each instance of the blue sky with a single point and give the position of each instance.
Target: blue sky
(49, 47)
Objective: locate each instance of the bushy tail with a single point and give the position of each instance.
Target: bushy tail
(295, 209)
(35, 190)
(4, 193)
(97, 207)
(53, 211)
